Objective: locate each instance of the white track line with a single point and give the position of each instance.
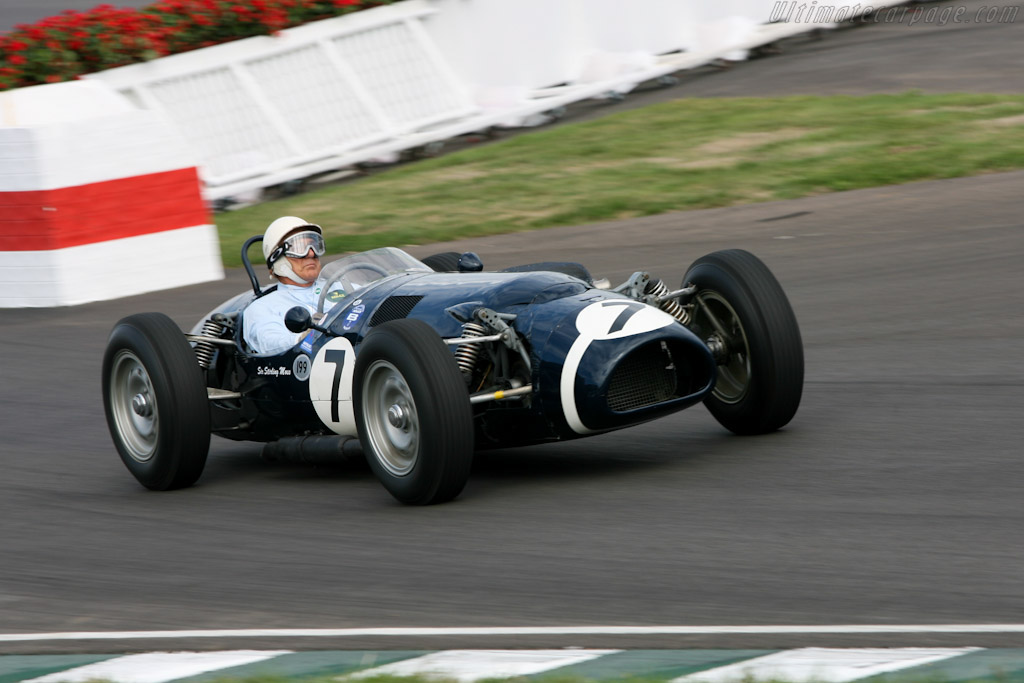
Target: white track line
(473, 665)
(824, 665)
(519, 631)
(158, 667)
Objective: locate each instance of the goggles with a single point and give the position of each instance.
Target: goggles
(298, 245)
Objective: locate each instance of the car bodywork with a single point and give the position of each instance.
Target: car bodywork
(595, 360)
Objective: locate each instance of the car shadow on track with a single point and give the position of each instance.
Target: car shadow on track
(687, 447)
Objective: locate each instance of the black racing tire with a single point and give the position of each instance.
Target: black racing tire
(445, 262)
(413, 413)
(155, 401)
(761, 362)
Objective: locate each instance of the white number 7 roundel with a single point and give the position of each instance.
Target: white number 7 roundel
(330, 386)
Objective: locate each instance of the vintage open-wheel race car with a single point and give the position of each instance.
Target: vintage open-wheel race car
(425, 362)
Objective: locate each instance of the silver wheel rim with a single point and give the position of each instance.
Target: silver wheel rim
(133, 404)
(734, 368)
(389, 414)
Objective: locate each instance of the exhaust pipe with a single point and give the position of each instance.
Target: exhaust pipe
(313, 450)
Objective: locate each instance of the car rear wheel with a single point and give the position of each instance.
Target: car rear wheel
(154, 397)
(743, 315)
(412, 413)
(445, 262)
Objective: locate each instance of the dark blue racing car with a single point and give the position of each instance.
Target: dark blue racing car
(425, 362)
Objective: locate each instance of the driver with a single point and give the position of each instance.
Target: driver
(292, 247)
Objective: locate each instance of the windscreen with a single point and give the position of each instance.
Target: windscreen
(358, 270)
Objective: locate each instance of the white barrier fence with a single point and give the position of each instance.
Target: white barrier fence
(324, 96)
(122, 163)
(268, 109)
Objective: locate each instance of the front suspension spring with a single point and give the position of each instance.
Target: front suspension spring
(467, 354)
(204, 349)
(656, 289)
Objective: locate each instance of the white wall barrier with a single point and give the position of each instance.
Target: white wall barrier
(265, 110)
(97, 200)
(103, 182)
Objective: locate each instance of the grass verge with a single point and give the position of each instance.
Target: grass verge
(683, 154)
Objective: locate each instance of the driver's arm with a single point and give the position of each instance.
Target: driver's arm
(264, 331)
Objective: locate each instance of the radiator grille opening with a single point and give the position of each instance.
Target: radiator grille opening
(643, 378)
(393, 308)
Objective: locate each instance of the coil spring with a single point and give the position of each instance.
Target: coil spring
(467, 354)
(657, 288)
(204, 349)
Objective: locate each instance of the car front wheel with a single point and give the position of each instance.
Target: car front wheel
(743, 315)
(413, 413)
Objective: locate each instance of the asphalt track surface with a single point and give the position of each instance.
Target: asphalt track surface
(894, 497)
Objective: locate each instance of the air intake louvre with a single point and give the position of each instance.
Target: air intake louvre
(643, 378)
(393, 308)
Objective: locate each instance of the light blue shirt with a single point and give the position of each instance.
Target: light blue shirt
(263, 321)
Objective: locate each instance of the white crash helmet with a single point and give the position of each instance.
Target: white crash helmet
(272, 238)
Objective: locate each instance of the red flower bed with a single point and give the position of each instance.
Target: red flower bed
(62, 47)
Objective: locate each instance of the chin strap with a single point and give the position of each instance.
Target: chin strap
(282, 268)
